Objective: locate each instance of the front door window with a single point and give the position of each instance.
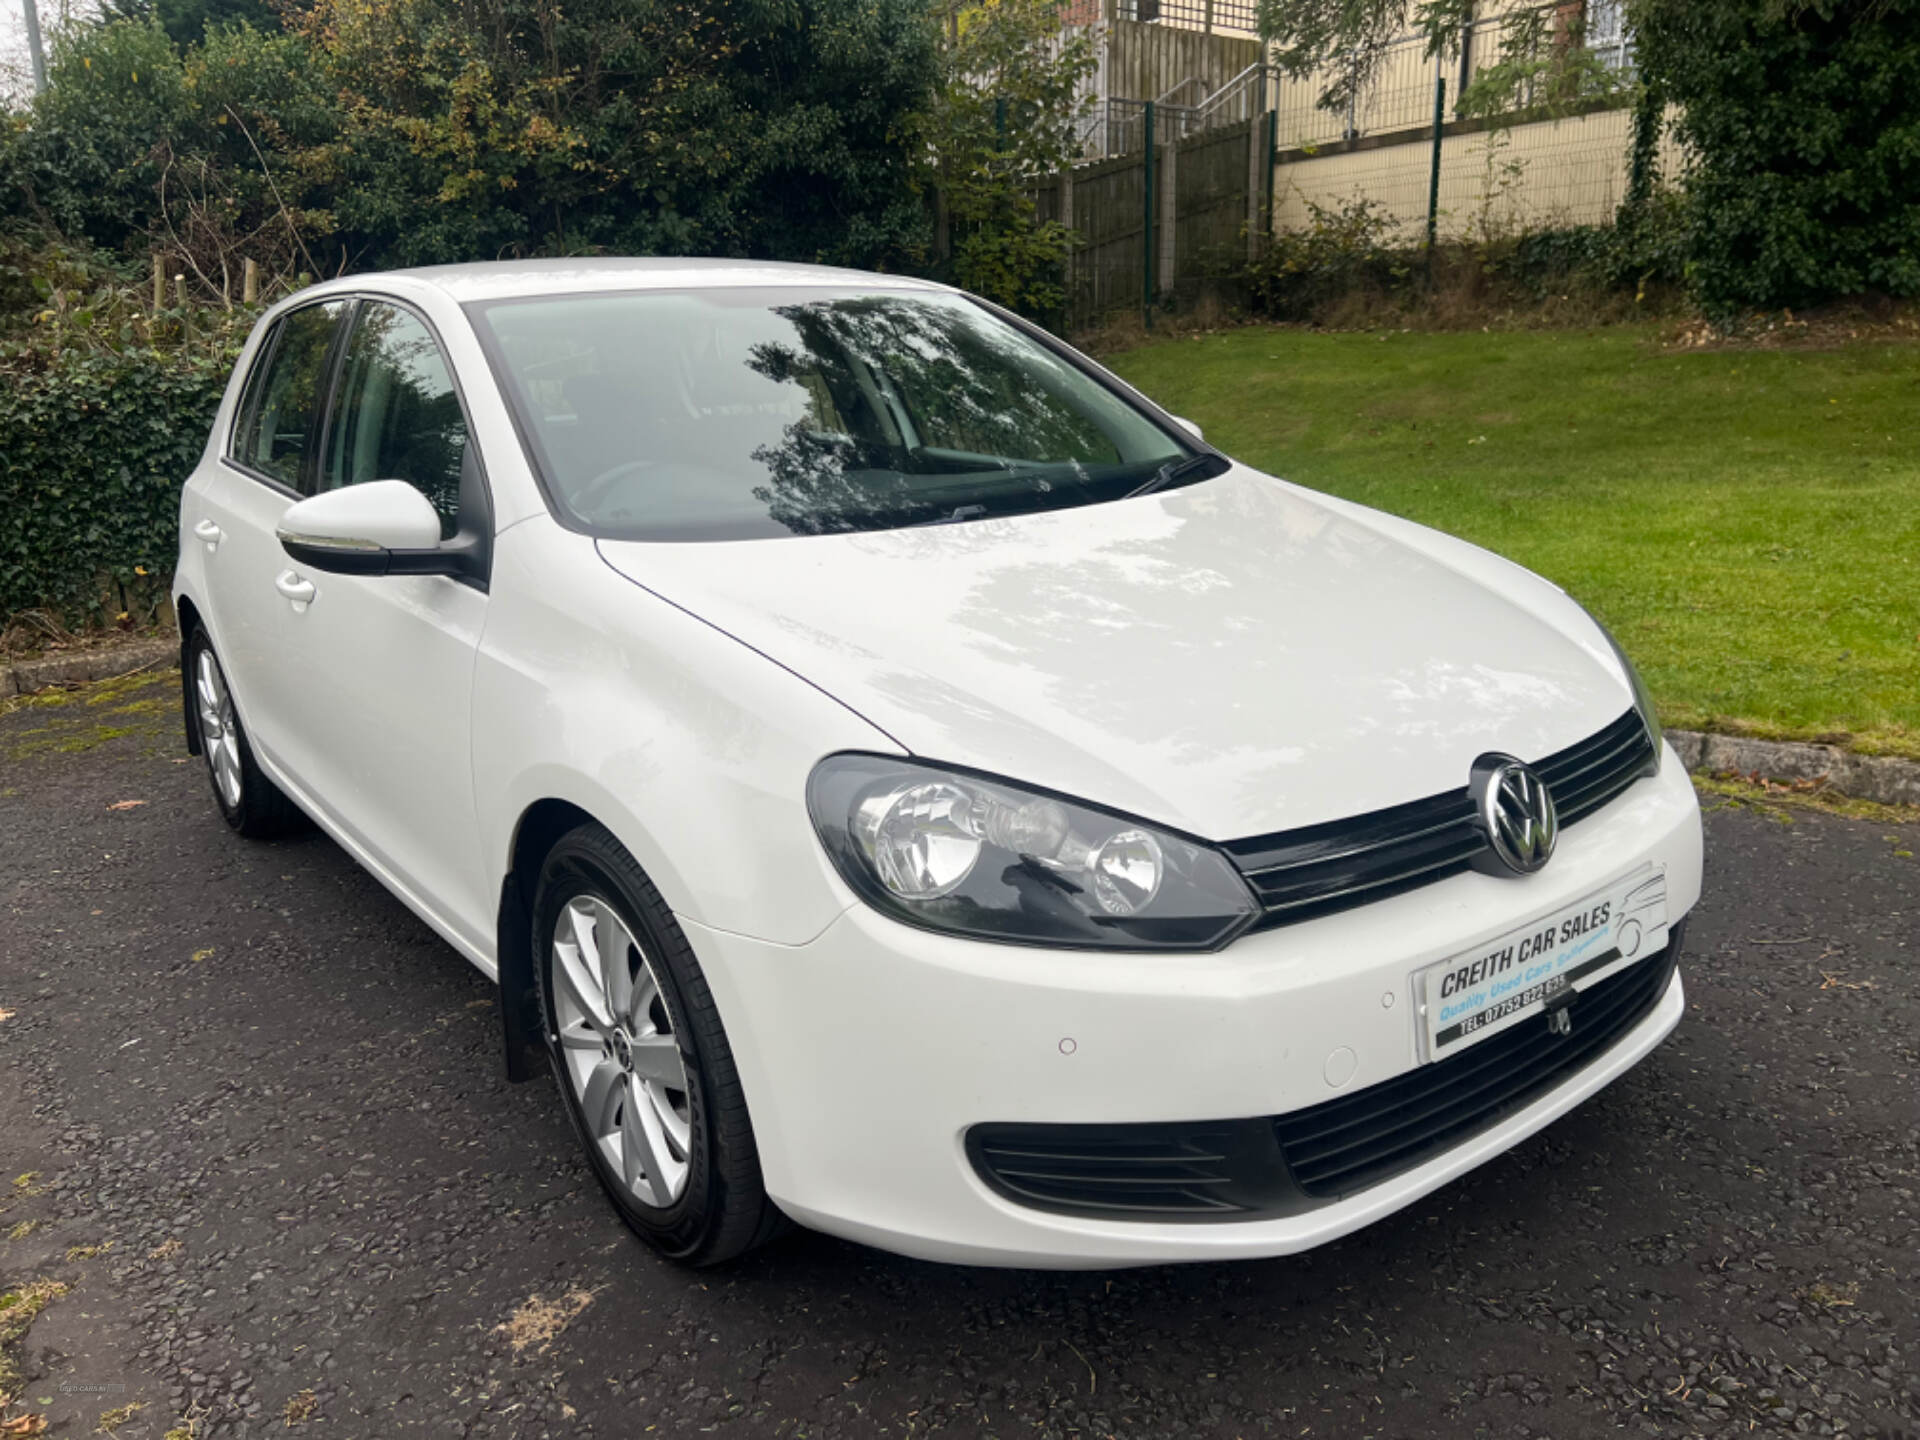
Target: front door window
(398, 416)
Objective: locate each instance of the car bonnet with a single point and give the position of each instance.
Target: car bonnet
(1232, 658)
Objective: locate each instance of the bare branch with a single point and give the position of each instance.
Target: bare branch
(293, 230)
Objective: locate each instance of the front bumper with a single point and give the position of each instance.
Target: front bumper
(869, 1053)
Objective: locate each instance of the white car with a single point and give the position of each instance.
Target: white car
(905, 782)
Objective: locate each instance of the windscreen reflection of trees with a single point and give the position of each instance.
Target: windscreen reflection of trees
(963, 389)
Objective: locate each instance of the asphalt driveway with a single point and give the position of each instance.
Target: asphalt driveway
(252, 1118)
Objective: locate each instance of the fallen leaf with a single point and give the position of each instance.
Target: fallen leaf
(24, 1425)
(5, 1014)
(126, 804)
(199, 955)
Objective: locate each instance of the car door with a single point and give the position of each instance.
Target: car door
(235, 507)
(378, 669)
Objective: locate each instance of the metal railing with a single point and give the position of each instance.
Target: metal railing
(1117, 127)
(1225, 17)
(1241, 98)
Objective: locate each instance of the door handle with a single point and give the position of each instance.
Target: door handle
(296, 589)
(209, 532)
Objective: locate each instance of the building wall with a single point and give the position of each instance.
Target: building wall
(1541, 175)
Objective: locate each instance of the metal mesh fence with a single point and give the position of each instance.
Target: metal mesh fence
(1496, 176)
(1242, 151)
(1400, 95)
(1542, 175)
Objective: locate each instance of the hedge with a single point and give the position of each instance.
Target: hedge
(1804, 126)
(94, 447)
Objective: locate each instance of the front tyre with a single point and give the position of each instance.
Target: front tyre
(641, 1058)
(249, 802)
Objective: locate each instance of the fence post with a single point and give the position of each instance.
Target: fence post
(1168, 248)
(1256, 146)
(1433, 182)
(1146, 235)
(1266, 170)
(1073, 244)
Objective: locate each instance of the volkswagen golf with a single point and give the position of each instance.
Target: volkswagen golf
(905, 783)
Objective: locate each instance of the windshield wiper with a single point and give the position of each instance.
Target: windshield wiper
(1171, 473)
(954, 516)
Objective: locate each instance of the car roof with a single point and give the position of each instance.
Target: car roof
(511, 279)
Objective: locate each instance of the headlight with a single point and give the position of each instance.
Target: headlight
(947, 850)
(1642, 701)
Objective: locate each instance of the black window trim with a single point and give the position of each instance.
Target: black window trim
(249, 397)
(535, 457)
(353, 302)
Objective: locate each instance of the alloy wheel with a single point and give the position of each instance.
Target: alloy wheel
(219, 734)
(621, 1054)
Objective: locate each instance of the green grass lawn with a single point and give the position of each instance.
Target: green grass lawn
(1747, 522)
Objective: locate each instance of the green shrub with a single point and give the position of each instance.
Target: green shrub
(484, 130)
(1345, 250)
(1804, 125)
(84, 160)
(93, 452)
(1353, 264)
(1645, 248)
(105, 409)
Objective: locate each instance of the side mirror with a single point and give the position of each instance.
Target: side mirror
(385, 527)
(1190, 426)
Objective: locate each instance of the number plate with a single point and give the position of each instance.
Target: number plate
(1480, 993)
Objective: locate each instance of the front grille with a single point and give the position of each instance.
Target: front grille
(1361, 1139)
(1285, 1164)
(1318, 869)
(1586, 776)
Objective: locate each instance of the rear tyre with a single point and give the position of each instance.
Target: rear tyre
(642, 1061)
(251, 803)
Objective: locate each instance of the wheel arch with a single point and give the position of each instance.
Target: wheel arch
(535, 833)
(186, 619)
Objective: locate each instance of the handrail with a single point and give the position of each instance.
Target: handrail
(1190, 80)
(1231, 89)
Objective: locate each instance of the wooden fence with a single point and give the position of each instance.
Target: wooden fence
(1210, 193)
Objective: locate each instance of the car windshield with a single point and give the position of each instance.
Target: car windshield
(738, 413)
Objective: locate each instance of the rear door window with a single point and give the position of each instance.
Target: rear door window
(280, 418)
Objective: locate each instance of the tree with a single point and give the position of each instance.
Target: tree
(1543, 67)
(187, 22)
(388, 132)
(1803, 123)
(1013, 87)
(479, 128)
(80, 162)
